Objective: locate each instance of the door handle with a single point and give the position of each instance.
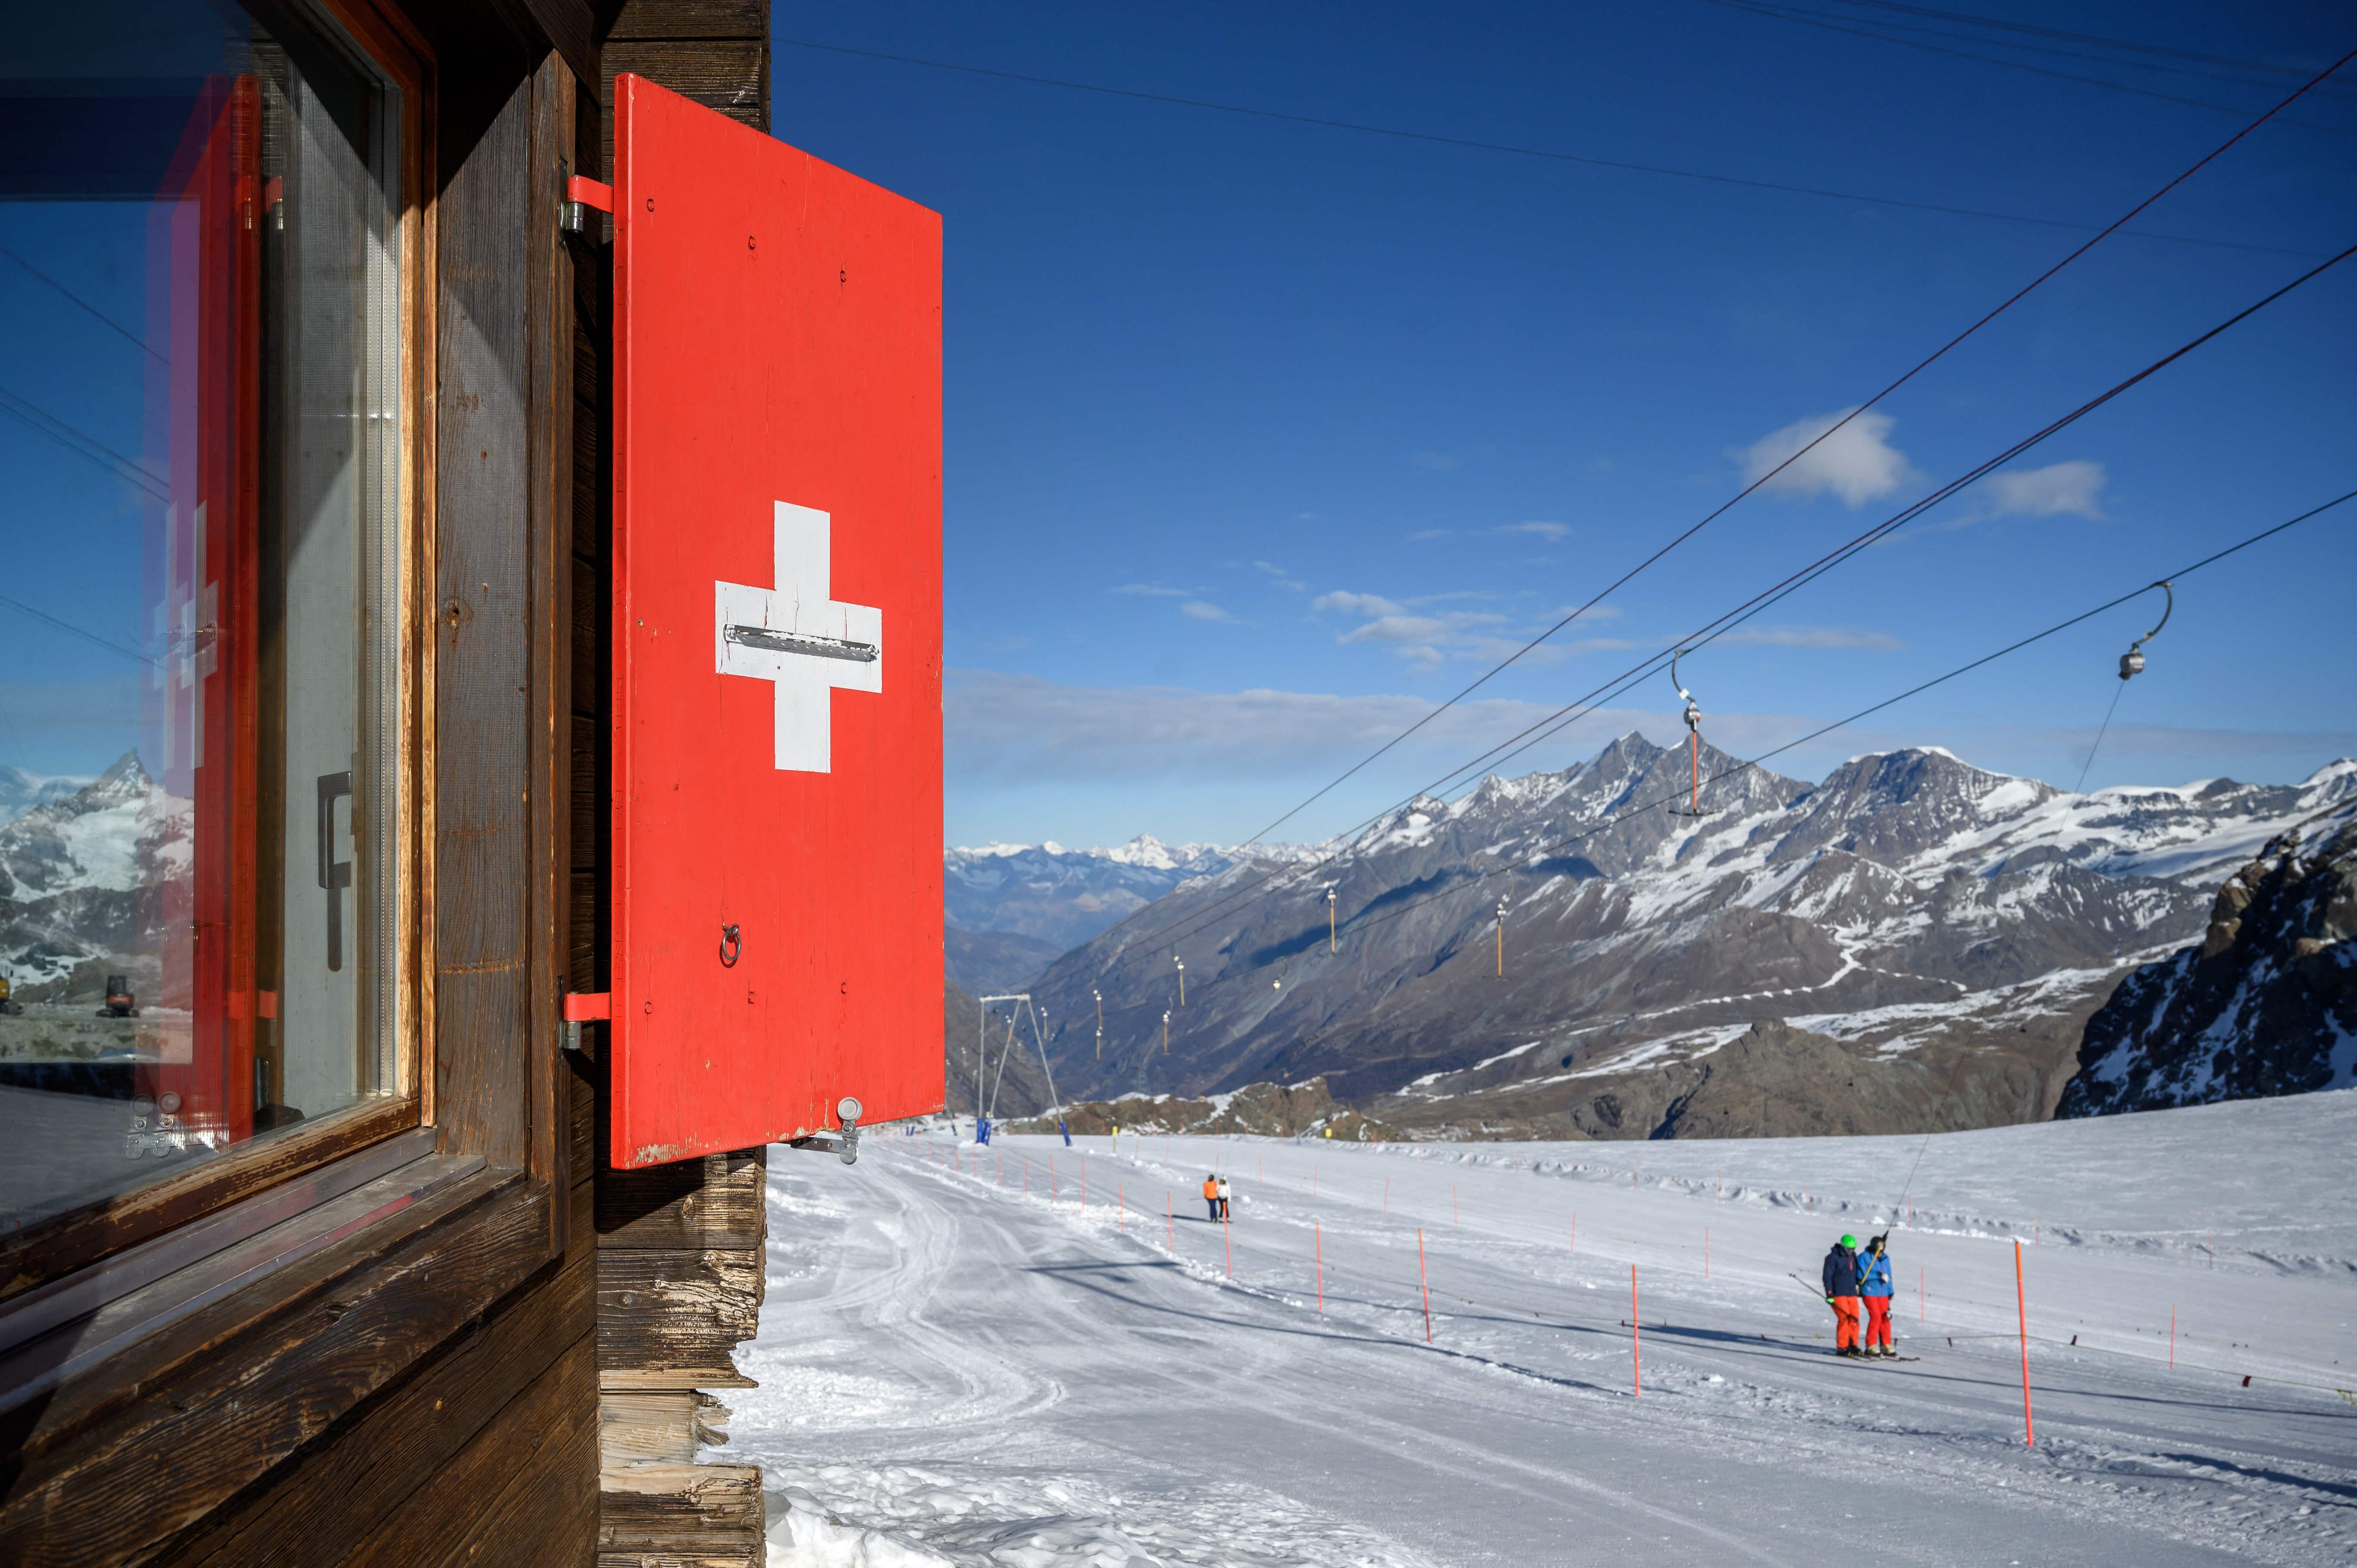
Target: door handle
(335, 876)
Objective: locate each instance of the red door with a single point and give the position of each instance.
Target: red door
(777, 902)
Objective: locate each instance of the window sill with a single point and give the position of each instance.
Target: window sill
(64, 1328)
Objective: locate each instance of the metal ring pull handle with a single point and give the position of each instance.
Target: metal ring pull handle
(732, 945)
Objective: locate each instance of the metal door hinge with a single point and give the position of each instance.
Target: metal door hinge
(580, 196)
(583, 1007)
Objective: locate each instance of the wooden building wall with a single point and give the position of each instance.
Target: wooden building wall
(519, 1367)
(680, 1248)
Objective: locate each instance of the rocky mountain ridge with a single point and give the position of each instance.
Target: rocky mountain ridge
(1066, 896)
(85, 875)
(2264, 1005)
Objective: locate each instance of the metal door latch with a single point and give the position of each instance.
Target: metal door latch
(847, 1144)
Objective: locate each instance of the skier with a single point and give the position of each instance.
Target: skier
(1874, 1291)
(1223, 1199)
(1841, 1294)
(1211, 1197)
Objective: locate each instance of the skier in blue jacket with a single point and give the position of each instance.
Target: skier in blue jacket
(1873, 1292)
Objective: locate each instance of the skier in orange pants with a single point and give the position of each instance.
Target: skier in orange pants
(1841, 1294)
(1873, 1293)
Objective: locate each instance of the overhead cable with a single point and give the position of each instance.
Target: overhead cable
(1551, 156)
(1728, 621)
(1724, 507)
(1807, 19)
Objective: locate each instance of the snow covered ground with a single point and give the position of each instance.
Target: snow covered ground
(956, 1370)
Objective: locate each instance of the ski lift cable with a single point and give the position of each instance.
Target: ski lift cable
(1821, 438)
(2131, 666)
(1717, 627)
(1153, 939)
(1400, 912)
(1783, 14)
(1437, 139)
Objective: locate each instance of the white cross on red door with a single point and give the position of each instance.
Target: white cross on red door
(799, 639)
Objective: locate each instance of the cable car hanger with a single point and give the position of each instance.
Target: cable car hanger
(1693, 806)
(2132, 662)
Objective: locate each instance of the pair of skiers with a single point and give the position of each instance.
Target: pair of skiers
(1857, 1287)
(1215, 1197)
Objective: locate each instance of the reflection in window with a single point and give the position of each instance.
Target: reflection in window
(198, 419)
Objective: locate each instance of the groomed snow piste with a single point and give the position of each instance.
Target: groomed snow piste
(955, 1370)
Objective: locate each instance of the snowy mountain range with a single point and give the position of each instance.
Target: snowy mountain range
(1912, 909)
(1066, 896)
(80, 872)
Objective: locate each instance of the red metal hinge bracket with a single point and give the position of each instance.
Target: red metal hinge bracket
(589, 193)
(583, 1007)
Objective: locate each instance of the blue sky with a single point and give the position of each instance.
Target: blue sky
(1207, 373)
(1262, 437)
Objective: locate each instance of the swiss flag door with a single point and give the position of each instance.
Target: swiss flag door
(777, 894)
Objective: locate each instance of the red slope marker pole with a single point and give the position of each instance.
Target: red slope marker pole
(2021, 1300)
(1318, 1230)
(1424, 1284)
(1636, 1338)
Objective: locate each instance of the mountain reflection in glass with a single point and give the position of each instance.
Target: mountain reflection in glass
(200, 357)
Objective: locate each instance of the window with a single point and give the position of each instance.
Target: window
(201, 838)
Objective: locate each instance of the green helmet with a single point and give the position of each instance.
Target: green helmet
(1851, 1242)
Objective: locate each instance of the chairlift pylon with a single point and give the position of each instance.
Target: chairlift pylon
(1694, 743)
(2132, 662)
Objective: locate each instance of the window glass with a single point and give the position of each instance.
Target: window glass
(199, 431)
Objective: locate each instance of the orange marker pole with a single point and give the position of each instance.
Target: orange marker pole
(2021, 1300)
(1424, 1284)
(1636, 1338)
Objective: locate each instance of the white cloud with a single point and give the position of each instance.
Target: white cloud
(1544, 529)
(1856, 462)
(1355, 603)
(1807, 636)
(1396, 629)
(1001, 728)
(1196, 609)
(2074, 489)
(1153, 590)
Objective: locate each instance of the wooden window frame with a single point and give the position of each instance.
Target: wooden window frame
(145, 1450)
(47, 1253)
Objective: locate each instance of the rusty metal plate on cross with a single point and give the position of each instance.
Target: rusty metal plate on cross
(777, 778)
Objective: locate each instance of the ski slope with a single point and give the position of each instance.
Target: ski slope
(954, 1370)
